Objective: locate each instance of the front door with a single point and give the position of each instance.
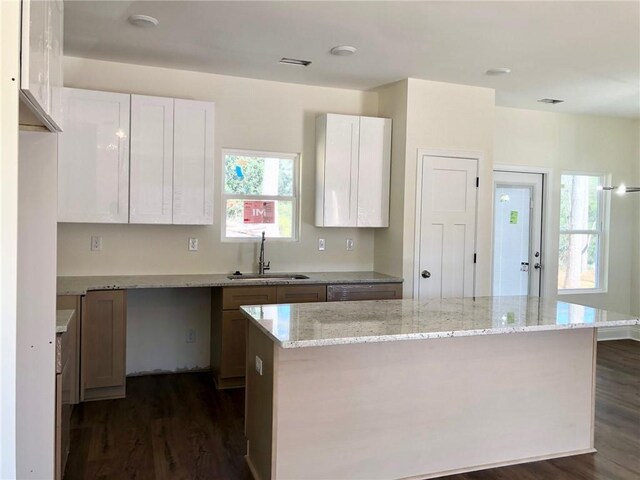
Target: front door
(517, 233)
(447, 227)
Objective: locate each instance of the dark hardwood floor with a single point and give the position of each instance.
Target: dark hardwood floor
(179, 427)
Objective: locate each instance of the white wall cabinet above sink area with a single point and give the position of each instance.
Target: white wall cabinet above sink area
(353, 163)
(135, 159)
(41, 60)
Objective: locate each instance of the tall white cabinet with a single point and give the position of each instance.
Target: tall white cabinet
(93, 158)
(151, 160)
(41, 60)
(165, 177)
(353, 162)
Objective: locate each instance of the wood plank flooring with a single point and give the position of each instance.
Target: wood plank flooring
(179, 427)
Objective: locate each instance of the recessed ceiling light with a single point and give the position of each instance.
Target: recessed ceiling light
(497, 71)
(295, 61)
(552, 101)
(343, 50)
(143, 21)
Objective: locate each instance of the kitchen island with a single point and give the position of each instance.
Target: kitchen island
(401, 389)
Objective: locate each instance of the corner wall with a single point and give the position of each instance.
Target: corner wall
(581, 143)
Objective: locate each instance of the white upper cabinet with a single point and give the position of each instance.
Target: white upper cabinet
(374, 167)
(353, 159)
(193, 162)
(151, 180)
(93, 158)
(41, 60)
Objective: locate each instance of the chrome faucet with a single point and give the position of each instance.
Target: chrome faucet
(261, 265)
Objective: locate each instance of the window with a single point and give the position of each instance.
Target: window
(582, 236)
(260, 195)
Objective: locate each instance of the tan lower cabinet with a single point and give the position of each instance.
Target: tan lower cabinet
(73, 302)
(302, 293)
(103, 339)
(234, 343)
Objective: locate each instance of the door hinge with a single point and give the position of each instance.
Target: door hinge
(475, 257)
(477, 182)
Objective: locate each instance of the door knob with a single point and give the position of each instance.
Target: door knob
(537, 266)
(425, 274)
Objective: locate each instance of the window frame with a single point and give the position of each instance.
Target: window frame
(294, 198)
(603, 202)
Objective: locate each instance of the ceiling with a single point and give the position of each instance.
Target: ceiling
(586, 53)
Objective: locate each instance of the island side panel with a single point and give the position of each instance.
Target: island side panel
(259, 403)
(425, 408)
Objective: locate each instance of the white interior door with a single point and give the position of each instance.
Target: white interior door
(447, 230)
(517, 233)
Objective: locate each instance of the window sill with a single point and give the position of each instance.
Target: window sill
(582, 291)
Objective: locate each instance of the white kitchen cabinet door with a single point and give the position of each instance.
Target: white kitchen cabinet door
(93, 158)
(151, 160)
(337, 170)
(374, 168)
(193, 131)
(56, 28)
(41, 59)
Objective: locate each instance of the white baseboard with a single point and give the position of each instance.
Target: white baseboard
(619, 333)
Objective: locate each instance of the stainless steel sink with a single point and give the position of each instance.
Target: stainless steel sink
(268, 276)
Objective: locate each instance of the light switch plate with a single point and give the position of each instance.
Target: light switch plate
(321, 244)
(350, 244)
(258, 365)
(193, 244)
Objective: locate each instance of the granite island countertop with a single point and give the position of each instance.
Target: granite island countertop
(339, 323)
(79, 285)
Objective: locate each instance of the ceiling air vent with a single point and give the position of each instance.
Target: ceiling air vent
(295, 61)
(552, 101)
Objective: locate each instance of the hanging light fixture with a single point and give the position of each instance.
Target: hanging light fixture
(620, 189)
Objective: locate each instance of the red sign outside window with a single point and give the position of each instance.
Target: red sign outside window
(259, 211)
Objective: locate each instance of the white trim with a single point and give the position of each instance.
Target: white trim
(604, 205)
(422, 152)
(294, 198)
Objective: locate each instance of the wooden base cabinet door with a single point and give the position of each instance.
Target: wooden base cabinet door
(103, 334)
(234, 341)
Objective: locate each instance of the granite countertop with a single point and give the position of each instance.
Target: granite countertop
(63, 317)
(338, 323)
(81, 284)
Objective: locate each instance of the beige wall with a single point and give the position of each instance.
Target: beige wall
(251, 114)
(392, 103)
(439, 116)
(584, 144)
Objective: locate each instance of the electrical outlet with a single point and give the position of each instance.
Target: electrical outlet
(350, 244)
(193, 244)
(96, 244)
(191, 335)
(258, 365)
(321, 244)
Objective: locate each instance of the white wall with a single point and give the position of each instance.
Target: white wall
(250, 114)
(9, 75)
(587, 144)
(36, 332)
